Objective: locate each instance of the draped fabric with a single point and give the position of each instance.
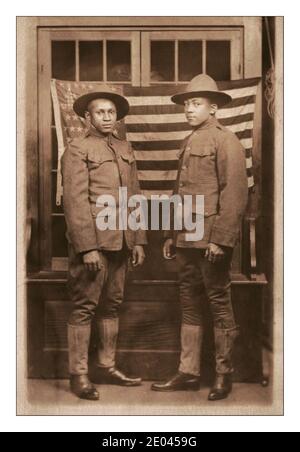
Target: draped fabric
(155, 126)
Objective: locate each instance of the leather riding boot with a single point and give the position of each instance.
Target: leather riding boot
(78, 341)
(179, 382)
(191, 345)
(83, 388)
(108, 330)
(106, 371)
(224, 344)
(222, 388)
(113, 376)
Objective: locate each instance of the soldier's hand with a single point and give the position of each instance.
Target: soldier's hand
(138, 255)
(92, 261)
(214, 253)
(168, 249)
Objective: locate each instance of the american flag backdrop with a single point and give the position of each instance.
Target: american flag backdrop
(155, 126)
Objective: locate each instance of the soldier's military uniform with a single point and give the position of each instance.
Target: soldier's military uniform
(96, 165)
(211, 163)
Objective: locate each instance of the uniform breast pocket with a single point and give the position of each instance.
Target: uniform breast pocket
(202, 164)
(95, 161)
(126, 164)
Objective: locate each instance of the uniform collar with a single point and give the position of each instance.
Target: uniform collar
(208, 124)
(92, 131)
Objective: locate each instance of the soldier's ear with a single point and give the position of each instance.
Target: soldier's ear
(87, 115)
(213, 109)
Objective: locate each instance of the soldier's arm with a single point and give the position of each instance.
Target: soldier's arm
(169, 235)
(232, 177)
(80, 224)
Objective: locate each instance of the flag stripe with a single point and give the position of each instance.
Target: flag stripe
(160, 154)
(170, 89)
(236, 111)
(243, 126)
(181, 126)
(160, 185)
(155, 119)
(161, 127)
(156, 145)
(249, 173)
(239, 102)
(249, 163)
(157, 136)
(248, 153)
(158, 175)
(141, 100)
(179, 135)
(171, 108)
(238, 93)
(149, 193)
(247, 143)
(157, 165)
(236, 119)
(244, 134)
(223, 114)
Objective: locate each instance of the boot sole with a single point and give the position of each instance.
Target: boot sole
(86, 396)
(112, 383)
(225, 396)
(94, 399)
(186, 388)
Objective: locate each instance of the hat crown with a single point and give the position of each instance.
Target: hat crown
(107, 89)
(202, 82)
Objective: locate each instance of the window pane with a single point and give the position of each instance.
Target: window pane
(162, 61)
(189, 59)
(218, 59)
(90, 60)
(118, 61)
(63, 60)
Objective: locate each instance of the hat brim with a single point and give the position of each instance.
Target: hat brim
(80, 105)
(217, 96)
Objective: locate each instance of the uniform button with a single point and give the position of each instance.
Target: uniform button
(188, 148)
(181, 184)
(184, 167)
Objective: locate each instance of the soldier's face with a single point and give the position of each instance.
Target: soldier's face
(198, 110)
(102, 114)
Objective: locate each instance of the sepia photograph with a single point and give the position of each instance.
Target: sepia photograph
(150, 187)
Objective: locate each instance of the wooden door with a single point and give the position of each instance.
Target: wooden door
(150, 317)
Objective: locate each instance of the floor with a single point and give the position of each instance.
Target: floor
(52, 397)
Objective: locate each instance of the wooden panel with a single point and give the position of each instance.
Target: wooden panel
(141, 21)
(149, 328)
(150, 325)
